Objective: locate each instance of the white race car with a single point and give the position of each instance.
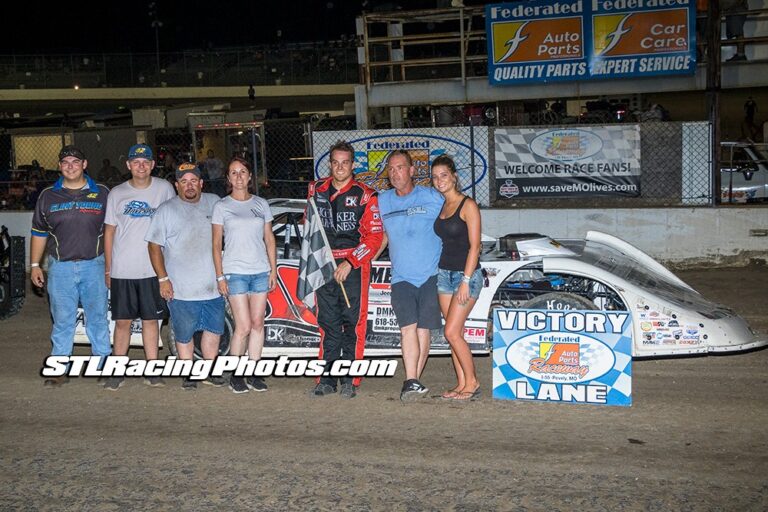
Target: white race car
(531, 271)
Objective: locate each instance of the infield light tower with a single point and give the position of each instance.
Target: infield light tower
(156, 24)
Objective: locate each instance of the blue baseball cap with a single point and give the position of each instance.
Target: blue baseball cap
(140, 151)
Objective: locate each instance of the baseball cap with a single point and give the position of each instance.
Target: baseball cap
(71, 150)
(140, 151)
(186, 167)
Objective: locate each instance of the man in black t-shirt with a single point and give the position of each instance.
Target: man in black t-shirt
(68, 225)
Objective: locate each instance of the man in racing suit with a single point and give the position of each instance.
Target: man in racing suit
(350, 214)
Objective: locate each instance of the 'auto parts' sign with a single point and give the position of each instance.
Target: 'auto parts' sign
(568, 162)
(373, 147)
(563, 356)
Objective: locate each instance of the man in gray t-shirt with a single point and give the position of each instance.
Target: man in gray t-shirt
(181, 252)
(129, 275)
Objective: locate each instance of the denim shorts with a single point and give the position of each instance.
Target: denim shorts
(240, 284)
(448, 282)
(190, 316)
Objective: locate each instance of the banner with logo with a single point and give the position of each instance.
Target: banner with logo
(568, 162)
(545, 40)
(563, 356)
(424, 145)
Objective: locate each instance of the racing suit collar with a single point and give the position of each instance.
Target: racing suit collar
(327, 182)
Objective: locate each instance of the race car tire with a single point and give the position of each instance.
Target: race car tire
(224, 341)
(559, 301)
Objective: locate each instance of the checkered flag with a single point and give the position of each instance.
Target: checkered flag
(316, 265)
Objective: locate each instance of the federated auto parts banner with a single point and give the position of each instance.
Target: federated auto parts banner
(424, 145)
(546, 40)
(568, 162)
(563, 356)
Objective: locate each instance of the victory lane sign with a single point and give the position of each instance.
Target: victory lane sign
(563, 356)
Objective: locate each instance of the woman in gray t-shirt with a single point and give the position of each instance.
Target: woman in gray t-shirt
(246, 271)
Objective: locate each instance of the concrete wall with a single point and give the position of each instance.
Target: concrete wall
(677, 236)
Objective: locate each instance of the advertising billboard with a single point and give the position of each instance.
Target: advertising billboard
(542, 40)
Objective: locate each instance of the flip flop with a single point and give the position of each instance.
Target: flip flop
(450, 395)
(466, 395)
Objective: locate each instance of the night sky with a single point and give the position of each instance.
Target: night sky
(122, 26)
(125, 26)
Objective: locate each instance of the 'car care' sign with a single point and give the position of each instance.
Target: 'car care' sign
(563, 356)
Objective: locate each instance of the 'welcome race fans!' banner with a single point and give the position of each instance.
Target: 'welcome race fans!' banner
(568, 162)
(542, 40)
(563, 356)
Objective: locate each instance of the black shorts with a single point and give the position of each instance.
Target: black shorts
(137, 298)
(734, 25)
(418, 306)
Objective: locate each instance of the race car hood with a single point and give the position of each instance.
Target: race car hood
(669, 316)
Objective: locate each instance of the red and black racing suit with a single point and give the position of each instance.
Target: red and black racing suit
(353, 226)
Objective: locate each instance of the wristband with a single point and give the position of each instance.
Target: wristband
(34, 265)
(163, 279)
(221, 278)
(466, 279)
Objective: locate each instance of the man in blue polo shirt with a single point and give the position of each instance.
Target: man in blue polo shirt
(408, 212)
(68, 225)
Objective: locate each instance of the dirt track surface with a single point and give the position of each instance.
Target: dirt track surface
(696, 438)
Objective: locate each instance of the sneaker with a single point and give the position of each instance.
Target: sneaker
(321, 390)
(737, 57)
(256, 384)
(412, 390)
(237, 385)
(215, 381)
(114, 383)
(55, 382)
(188, 384)
(348, 391)
(155, 382)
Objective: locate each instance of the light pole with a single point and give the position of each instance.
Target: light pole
(155, 24)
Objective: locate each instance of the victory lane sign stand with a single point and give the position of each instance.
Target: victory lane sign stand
(563, 356)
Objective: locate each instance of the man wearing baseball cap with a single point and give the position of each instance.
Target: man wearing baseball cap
(68, 225)
(135, 292)
(180, 249)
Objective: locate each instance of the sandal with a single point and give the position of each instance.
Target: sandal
(450, 395)
(467, 395)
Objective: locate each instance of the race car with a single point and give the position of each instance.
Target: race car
(528, 271)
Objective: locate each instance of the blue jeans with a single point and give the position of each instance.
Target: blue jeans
(70, 282)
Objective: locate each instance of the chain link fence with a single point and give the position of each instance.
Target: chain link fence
(673, 159)
(288, 157)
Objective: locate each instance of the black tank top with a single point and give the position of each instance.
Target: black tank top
(455, 236)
